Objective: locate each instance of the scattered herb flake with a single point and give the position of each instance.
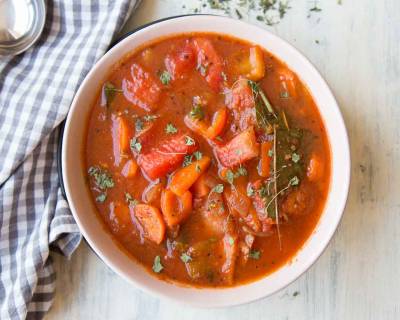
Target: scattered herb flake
(231, 241)
(157, 266)
(101, 197)
(103, 179)
(170, 129)
(189, 141)
(294, 181)
(150, 117)
(254, 254)
(241, 171)
(250, 191)
(295, 157)
(165, 77)
(230, 176)
(136, 146)
(109, 91)
(130, 200)
(197, 112)
(185, 257)
(296, 293)
(198, 155)
(139, 125)
(219, 188)
(187, 160)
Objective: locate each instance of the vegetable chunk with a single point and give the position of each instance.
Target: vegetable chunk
(121, 134)
(209, 63)
(240, 149)
(142, 89)
(185, 177)
(181, 61)
(175, 209)
(167, 157)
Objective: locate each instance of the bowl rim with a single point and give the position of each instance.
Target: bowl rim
(345, 177)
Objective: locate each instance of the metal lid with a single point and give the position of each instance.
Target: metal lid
(21, 23)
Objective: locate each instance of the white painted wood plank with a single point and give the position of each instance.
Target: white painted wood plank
(358, 276)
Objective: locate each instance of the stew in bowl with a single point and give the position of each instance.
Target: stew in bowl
(206, 161)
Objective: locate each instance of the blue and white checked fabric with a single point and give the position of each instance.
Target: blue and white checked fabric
(36, 90)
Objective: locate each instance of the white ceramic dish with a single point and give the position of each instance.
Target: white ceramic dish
(101, 242)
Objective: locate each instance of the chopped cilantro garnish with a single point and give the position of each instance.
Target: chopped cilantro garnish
(150, 117)
(294, 181)
(231, 241)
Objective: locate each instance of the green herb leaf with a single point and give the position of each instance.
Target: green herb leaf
(295, 157)
(294, 181)
(198, 155)
(189, 141)
(254, 254)
(197, 112)
(130, 200)
(219, 188)
(270, 153)
(230, 176)
(136, 146)
(139, 125)
(103, 179)
(284, 95)
(187, 160)
(157, 266)
(250, 191)
(150, 117)
(101, 197)
(171, 129)
(231, 241)
(165, 77)
(109, 92)
(185, 257)
(241, 171)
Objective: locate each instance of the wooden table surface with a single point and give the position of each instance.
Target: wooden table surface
(356, 47)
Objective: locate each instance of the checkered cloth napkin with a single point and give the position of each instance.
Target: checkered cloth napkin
(36, 90)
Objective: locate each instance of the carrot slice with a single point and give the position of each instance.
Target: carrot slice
(218, 123)
(265, 159)
(212, 131)
(184, 178)
(200, 187)
(130, 168)
(151, 220)
(121, 135)
(175, 209)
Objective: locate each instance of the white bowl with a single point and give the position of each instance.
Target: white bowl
(81, 204)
